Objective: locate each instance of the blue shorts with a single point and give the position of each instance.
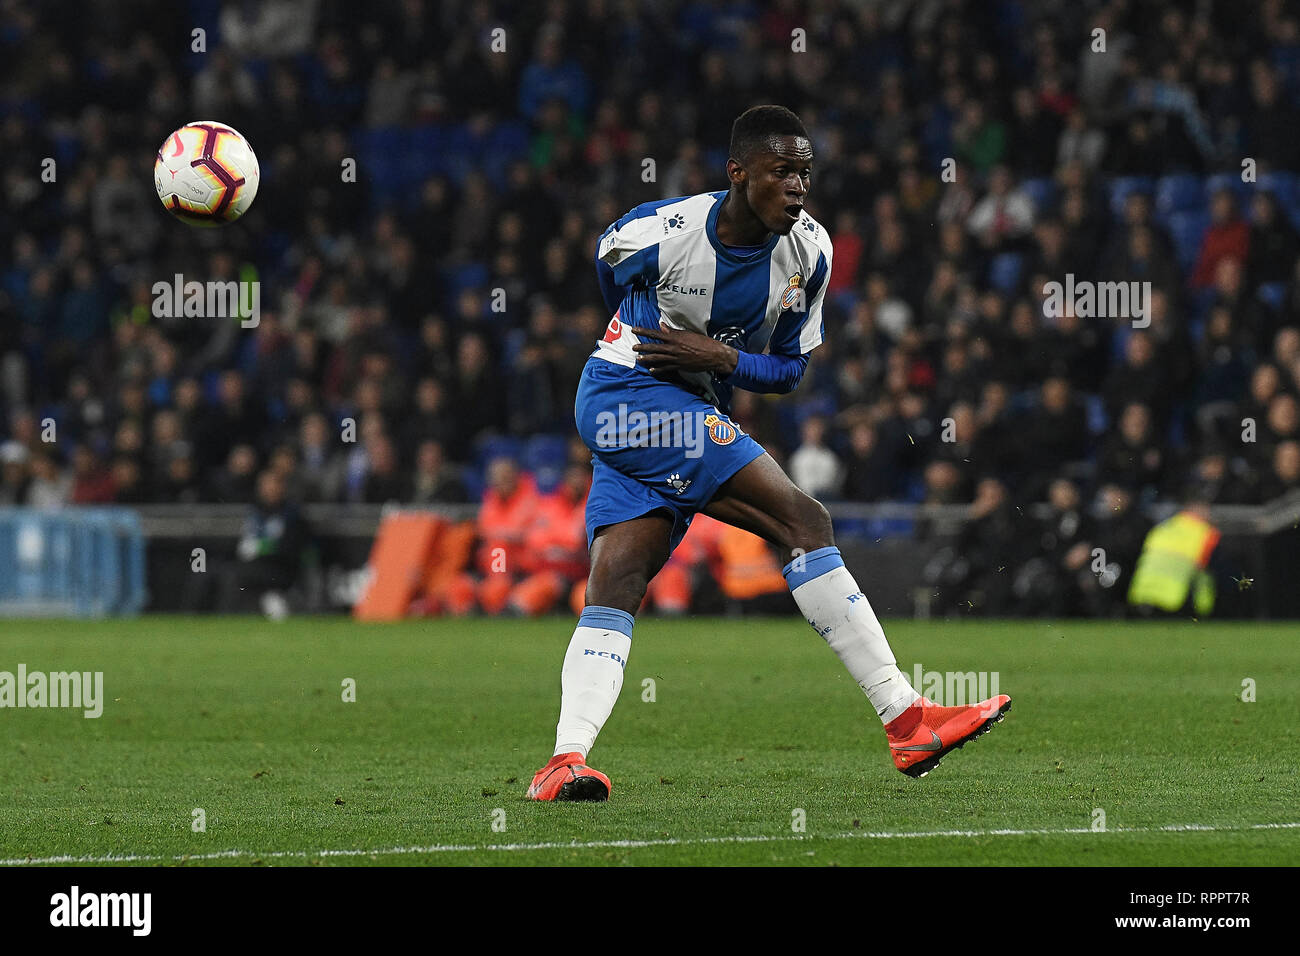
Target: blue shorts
(655, 447)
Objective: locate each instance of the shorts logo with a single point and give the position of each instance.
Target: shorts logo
(679, 483)
(793, 290)
(721, 432)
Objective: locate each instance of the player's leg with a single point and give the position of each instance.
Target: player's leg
(633, 524)
(762, 499)
(624, 557)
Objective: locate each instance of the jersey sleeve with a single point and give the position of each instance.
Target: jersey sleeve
(627, 255)
(767, 373)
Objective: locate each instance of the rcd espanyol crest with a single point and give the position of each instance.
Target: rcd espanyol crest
(793, 289)
(721, 431)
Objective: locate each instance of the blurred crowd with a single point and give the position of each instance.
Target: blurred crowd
(447, 296)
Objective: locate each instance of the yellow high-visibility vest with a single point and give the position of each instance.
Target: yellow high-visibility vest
(1174, 556)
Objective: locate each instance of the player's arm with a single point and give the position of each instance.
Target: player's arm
(797, 333)
(677, 350)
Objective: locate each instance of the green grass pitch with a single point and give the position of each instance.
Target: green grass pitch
(751, 722)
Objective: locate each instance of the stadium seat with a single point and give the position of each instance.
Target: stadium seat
(498, 446)
(473, 480)
(880, 528)
(1282, 185)
(545, 456)
(1272, 294)
(1186, 229)
(423, 158)
(507, 143)
(1198, 304)
(460, 157)
(1121, 187)
(470, 275)
(1229, 181)
(1179, 192)
(1042, 192)
(378, 156)
(1004, 271)
(1096, 411)
(1285, 188)
(1176, 433)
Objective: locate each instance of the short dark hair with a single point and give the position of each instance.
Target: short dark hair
(755, 128)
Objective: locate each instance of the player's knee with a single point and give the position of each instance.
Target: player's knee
(621, 587)
(812, 526)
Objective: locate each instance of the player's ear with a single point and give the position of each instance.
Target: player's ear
(736, 173)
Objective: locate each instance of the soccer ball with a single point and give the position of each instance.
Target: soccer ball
(206, 174)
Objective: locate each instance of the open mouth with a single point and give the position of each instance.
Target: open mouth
(794, 210)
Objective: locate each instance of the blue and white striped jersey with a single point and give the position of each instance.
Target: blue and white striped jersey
(664, 259)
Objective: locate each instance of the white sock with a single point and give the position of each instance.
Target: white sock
(837, 609)
(592, 676)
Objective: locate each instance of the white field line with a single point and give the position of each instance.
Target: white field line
(627, 844)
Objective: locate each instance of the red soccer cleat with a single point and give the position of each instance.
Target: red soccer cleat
(566, 777)
(921, 735)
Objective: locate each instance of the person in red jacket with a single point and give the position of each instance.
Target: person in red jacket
(509, 506)
(555, 546)
(1227, 238)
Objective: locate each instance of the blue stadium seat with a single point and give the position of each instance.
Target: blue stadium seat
(1283, 186)
(498, 446)
(823, 405)
(421, 158)
(1186, 229)
(1272, 294)
(1229, 181)
(1179, 192)
(1042, 192)
(507, 143)
(379, 152)
(879, 529)
(856, 529)
(459, 158)
(546, 456)
(1121, 187)
(1199, 302)
(1096, 410)
(472, 478)
(1004, 271)
(470, 275)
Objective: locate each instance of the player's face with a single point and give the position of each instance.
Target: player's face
(779, 181)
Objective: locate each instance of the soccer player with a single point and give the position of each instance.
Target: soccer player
(710, 293)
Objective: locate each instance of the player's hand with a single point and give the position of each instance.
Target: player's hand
(677, 350)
